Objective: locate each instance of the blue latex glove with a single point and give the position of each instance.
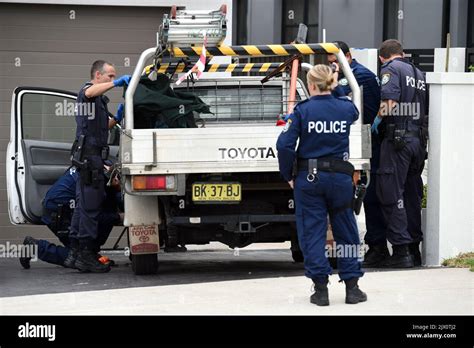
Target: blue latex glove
(375, 125)
(123, 80)
(119, 116)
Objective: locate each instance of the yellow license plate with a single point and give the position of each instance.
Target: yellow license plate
(209, 192)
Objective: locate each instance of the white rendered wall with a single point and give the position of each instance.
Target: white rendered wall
(450, 205)
(368, 57)
(457, 59)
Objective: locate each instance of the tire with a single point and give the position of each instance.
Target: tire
(145, 264)
(297, 256)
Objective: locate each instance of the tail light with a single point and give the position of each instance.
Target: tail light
(153, 182)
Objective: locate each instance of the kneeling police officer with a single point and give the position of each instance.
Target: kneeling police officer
(92, 119)
(323, 183)
(58, 207)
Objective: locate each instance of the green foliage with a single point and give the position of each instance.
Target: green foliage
(465, 260)
(471, 68)
(425, 192)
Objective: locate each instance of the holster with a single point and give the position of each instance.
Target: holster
(396, 136)
(62, 220)
(77, 152)
(359, 195)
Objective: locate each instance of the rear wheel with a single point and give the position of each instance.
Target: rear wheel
(145, 264)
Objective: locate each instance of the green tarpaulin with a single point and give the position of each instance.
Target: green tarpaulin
(157, 105)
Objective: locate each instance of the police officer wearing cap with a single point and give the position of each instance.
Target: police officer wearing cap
(323, 183)
(399, 185)
(92, 118)
(375, 223)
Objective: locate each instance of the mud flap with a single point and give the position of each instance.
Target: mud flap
(144, 239)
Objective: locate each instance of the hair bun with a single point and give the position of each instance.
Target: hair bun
(330, 81)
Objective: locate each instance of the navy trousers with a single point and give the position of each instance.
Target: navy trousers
(374, 220)
(314, 200)
(56, 254)
(400, 190)
(89, 200)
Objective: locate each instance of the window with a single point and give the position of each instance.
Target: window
(390, 19)
(240, 18)
(48, 117)
(296, 12)
(470, 25)
(244, 103)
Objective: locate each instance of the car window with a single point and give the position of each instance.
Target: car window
(48, 117)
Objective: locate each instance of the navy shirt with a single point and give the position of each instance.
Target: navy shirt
(402, 82)
(62, 192)
(322, 125)
(370, 89)
(92, 118)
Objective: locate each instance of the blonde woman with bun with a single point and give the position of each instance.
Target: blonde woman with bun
(323, 183)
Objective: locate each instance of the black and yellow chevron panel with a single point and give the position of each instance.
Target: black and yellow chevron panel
(258, 50)
(229, 68)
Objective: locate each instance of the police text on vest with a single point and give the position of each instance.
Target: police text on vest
(327, 127)
(418, 84)
(37, 331)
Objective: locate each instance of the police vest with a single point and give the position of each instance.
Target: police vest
(92, 118)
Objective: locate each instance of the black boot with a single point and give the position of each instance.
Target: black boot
(375, 255)
(401, 258)
(29, 242)
(87, 262)
(70, 261)
(321, 294)
(415, 251)
(353, 293)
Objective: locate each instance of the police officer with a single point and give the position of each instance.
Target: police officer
(403, 152)
(58, 207)
(375, 236)
(92, 118)
(323, 183)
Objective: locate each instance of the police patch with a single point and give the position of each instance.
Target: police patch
(385, 79)
(343, 82)
(287, 126)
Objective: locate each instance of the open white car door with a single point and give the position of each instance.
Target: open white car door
(41, 135)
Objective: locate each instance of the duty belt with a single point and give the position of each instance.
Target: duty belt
(394, 130)
(402, 133)
(326, 165)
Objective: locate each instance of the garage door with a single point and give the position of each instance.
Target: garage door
(54, 46)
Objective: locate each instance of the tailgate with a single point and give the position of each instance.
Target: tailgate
(217, 149)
